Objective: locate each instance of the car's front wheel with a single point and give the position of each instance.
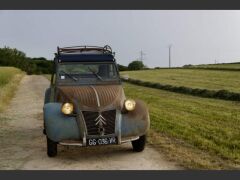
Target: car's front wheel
(139, 144)
(51, 148)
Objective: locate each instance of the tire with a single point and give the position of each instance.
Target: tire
(44, 131)
(46, 100)
(139, 144)
(47, 95)
(51, 148)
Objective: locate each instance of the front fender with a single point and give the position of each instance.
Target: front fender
(136, 122)
(59, 126)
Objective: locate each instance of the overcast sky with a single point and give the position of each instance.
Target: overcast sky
(197, 37)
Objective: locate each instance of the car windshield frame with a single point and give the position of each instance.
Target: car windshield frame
(78, 82)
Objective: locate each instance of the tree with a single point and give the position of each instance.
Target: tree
(135, 65)
(40, 58)
(122, 67)
(16, 58)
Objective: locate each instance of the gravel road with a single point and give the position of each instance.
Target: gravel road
(23, 146)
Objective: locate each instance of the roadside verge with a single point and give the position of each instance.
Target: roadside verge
(9, 81)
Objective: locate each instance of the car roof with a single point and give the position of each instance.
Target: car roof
(85, 54)
(85, 58)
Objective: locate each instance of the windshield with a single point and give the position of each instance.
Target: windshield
(87, 73)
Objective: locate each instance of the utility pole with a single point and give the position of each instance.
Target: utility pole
(141, 55)
(169, 51)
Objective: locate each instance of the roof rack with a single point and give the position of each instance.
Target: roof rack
(75, 49)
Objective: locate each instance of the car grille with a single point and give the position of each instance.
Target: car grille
(93, 129)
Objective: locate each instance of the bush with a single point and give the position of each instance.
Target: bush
(136, 65)
(122, 67)
(187, 65)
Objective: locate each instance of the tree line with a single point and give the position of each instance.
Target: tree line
(16, 58)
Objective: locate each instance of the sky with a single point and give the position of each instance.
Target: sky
(197, 37)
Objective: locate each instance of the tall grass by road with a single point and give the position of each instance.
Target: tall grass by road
(9, 80)
(192, 78)
(198, 132)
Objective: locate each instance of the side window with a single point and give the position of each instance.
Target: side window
(113, 72)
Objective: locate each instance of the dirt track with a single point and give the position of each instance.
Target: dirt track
(23, 146)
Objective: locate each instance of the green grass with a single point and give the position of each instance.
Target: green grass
(193, 78)
(9, 79)
(6, 74)
(198, 132)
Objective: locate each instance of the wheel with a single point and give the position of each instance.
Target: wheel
(139, 144)
(47, 95)
(51, 148)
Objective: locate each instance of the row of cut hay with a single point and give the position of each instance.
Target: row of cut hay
(219, 94)
(213, 68)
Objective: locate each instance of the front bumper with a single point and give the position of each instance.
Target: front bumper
(65, 129)
(83, 141)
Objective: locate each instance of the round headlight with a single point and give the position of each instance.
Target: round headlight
(67, 108)
(130, 104)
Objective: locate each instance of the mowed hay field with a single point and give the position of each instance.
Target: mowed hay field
(197, 132)
(193, 78)
(230, 66)
(9, 79)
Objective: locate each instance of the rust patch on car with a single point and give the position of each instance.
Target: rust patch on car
(88, 96)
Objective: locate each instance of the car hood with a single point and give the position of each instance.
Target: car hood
(92, 98)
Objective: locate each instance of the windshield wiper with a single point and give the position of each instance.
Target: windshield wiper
(99, 77)
(69, 75)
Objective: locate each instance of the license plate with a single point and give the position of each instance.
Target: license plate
(101, 141)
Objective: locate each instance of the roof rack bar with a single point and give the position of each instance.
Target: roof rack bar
(105, 49)
(82, 46)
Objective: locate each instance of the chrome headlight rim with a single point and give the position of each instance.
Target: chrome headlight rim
(67, 108)
(129, 104)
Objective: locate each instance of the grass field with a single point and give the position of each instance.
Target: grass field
(220, 66)
(9, 79)
(193, 78)
(198, 132)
